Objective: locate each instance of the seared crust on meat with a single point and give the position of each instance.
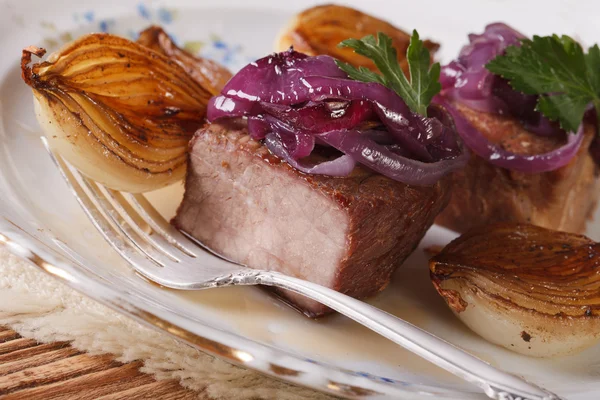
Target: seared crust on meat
(482, 193)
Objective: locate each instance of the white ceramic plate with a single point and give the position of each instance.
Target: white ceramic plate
(40, 220)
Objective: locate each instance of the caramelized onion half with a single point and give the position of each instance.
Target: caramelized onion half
(119, 112)
(207, 73)
(530, 289)
(318, 30)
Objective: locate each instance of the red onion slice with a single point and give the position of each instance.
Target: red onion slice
(389, 163)
(341, 166)
(227, 107)
(468, 81)
(496, 155)
(393, 112)
(258, 128)
(276, 78)
(322, 116)
(295, 102)
(298, 144)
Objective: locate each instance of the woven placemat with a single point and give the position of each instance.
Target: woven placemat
(37, 371)
(43, 310)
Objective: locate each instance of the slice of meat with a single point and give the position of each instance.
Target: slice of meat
(562, 199)
(348, 234)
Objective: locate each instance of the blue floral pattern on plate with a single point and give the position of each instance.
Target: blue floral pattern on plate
(215, 48)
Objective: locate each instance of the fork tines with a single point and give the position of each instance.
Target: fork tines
(128, 222)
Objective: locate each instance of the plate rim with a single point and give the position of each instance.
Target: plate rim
(25, 245)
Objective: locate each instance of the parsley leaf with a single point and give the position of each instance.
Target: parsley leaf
(361, 74)
(424, 81)
(556, 69)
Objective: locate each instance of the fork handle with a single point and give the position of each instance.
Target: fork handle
(495, 383)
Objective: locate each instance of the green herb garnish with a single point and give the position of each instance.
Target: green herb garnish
(424, 80)
(556, 69)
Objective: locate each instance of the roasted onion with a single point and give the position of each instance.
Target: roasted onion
(207, 73)
(119, 112)
(530, 289)
(319, 30)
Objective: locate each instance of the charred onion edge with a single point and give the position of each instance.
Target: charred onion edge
(26, 72)
(452, 297)
(458, 304)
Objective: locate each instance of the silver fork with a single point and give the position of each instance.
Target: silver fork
(159, 252)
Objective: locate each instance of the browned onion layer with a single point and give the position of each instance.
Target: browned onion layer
(207, 73)
(548, 271)
(318, 31)
(116, 102)
(529, 281)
